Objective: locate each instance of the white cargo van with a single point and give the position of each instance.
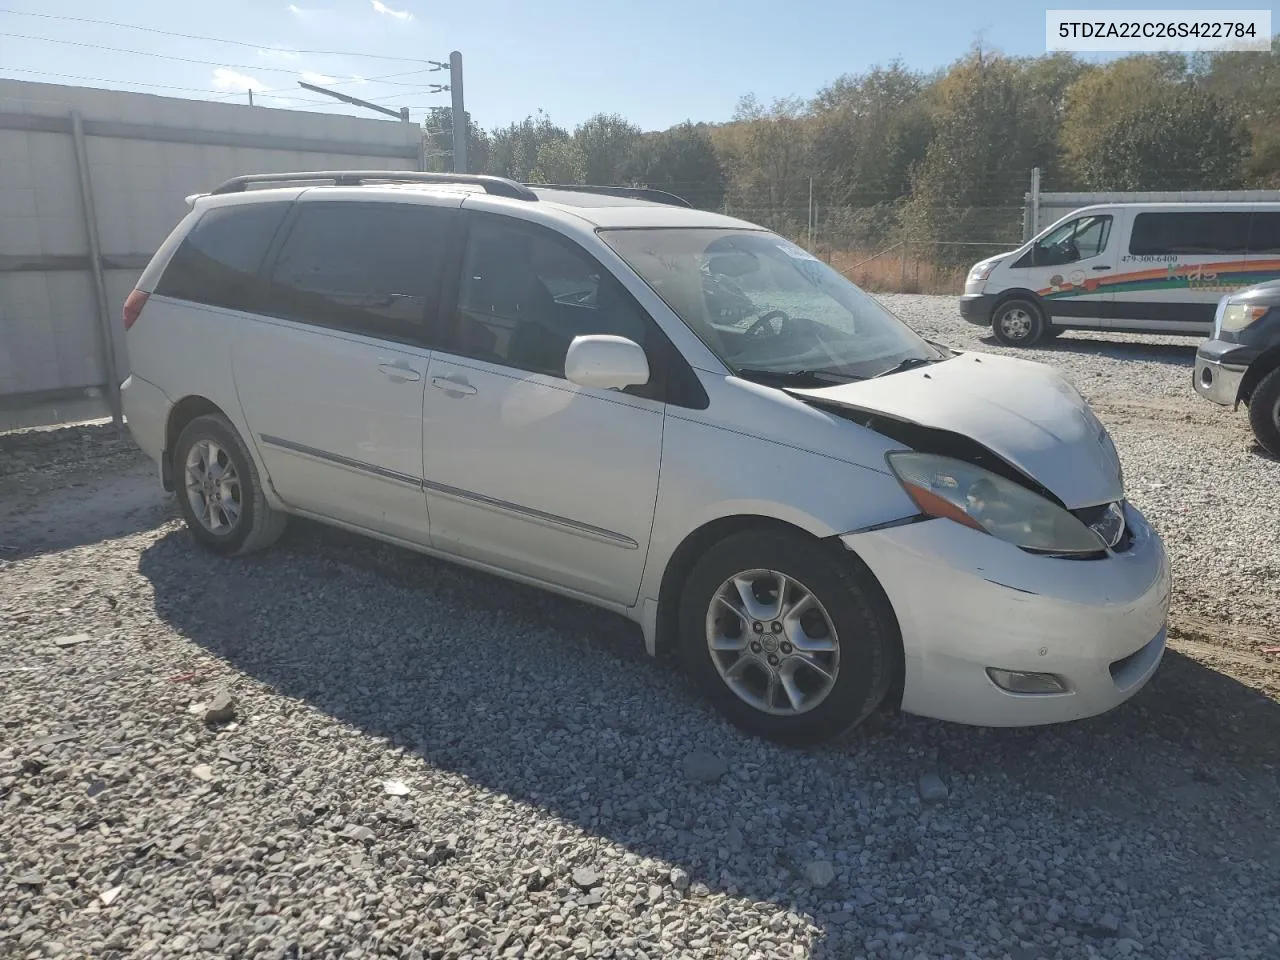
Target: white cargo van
(1137, 267)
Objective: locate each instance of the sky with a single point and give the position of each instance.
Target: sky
(656, 62)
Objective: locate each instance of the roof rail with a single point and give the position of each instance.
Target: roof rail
(635, 193)
(497, 186)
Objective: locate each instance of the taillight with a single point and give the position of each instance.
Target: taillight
(133, 307)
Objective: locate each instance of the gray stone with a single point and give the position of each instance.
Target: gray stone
(703, 766)
(932, 788)
(680, 878)
(819, 873)
(72, 640)
(221, 709)
(358, 832)
(584, 878)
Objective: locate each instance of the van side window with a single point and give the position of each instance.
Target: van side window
(525, 294)
(1077, 239)
(1213, 233)
(1264, 233)
(369, 268)
(217, 262)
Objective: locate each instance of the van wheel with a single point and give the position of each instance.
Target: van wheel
(1264, 412)
(789, 638)
(219, 492)
(1018, 323)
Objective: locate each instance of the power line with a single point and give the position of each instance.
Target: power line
(156, 86)
(258, 68)
(193, 36)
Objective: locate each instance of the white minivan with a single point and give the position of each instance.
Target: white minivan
(668, 413)
(1135, 267)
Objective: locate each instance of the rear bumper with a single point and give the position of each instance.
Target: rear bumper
(966, 602)
(146, 412)
(977, 308)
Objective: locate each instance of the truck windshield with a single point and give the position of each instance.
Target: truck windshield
(767, 308)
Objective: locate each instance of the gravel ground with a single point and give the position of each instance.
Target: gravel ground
(417, 760)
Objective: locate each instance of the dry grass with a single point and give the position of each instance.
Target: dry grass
(886, 273)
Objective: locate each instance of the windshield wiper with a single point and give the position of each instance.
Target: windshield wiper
(905, 364)
(795, 378)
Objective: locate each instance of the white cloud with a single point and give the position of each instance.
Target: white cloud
(381, 7)
(319, 79)
(299, 12)
(232, 81)
(278, 53)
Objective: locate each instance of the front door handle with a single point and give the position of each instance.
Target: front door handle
(1102, 266)
(399, 372)
(456, 387)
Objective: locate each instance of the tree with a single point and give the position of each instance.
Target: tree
(971, 182)
(559, 161)
(868, 132)
(1106, 96)
(605, 143)
(514, 150)
(1180, 139)
(682, 161)
(766, 152)
(438, 140)
(1250, 81)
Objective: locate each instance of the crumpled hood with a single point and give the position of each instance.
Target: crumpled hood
(1024, 412)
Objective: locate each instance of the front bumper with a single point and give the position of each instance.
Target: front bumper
(1220, 367)
(966, 601)
(977, 308)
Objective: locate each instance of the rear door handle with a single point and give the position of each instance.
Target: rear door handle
(455, 387)
(1102, 266)
(399, 372)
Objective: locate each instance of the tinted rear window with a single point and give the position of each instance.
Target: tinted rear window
(1190, 233)
(1264, 233)
(218, 260)
(371, 268)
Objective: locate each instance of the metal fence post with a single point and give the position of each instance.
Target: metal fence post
(106, 343)
(1035, 200)
(902, 266)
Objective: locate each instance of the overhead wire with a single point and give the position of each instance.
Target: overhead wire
(194, 36)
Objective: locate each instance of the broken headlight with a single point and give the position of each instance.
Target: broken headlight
(978, 498)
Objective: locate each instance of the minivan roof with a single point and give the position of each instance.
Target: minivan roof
(602, 207)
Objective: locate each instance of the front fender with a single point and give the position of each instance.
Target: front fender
(710, 473)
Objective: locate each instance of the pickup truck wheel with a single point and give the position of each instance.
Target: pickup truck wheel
(1264, 412)
(1018, 323)
(791, 639)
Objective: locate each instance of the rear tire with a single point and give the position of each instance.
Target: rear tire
(219, 491)
(801, 670)
(1018, 323)
(1264, 412)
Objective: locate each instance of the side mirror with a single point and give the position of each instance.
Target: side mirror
(606, 362)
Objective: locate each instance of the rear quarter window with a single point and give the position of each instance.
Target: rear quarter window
(1210, 233)
(218, 261)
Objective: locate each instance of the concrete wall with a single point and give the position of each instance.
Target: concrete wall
(145, 154)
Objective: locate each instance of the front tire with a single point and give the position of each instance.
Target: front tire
(1264, 412)
(1018, 323)
(219, 491)
(789, 638)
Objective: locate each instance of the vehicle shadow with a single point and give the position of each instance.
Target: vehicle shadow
(553, 703)
(1082, 343)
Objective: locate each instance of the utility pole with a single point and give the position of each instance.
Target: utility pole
(251, 96)
(459, 114)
